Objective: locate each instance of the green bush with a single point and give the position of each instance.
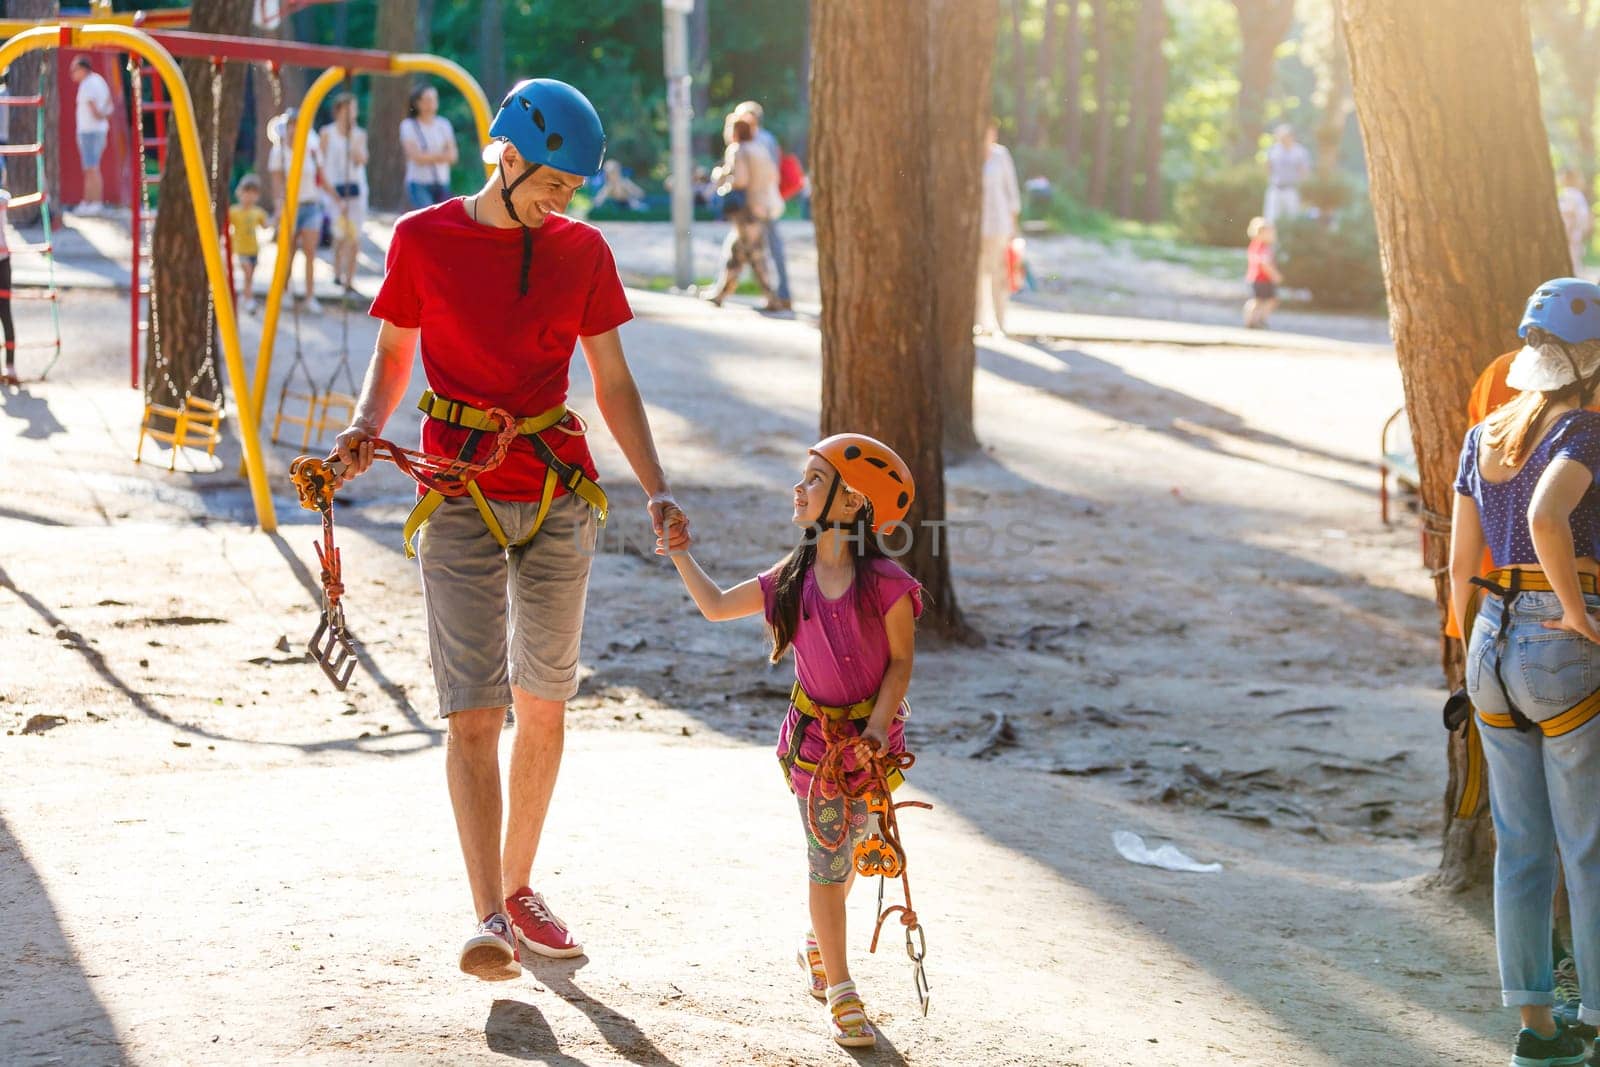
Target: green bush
(1337, 262)
(1327, 195)
(1216, 208)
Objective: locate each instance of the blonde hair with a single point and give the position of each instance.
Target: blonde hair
(1508, 428)
(1257, 224)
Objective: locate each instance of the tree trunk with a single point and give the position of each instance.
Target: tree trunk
(386, 164)
(491, 50)
(700, 72)
(1072, 89)
(1332, 95)
(1155, 26)
(1141, 104)
(1448, 100)
(1263, 24)
(960, 69)
(1020, 68)
(801, 139)
(25, 78)
(425, 26)
(1100, 164)
(870, 87)
(1045, 66)
(177, 361)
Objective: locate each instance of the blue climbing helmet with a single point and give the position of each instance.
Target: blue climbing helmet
(1568, 308)
(552, 124)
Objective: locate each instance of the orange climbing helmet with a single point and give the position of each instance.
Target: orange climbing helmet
(868, 466)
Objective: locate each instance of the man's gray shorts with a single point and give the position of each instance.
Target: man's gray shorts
(474, 592)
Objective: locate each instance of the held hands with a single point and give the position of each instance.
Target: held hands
(670, 524)
(353, 447)
(1582, 624)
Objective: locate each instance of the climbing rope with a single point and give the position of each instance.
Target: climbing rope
(880, 854)
(315, 480)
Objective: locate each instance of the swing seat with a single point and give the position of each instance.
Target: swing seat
(319, 417)
(195, 423)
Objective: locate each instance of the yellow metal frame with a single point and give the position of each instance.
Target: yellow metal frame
(126, 39)
(400, 63)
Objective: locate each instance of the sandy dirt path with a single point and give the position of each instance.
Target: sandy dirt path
(1204, 636)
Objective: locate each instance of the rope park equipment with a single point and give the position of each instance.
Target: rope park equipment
(46, 247)
(158, 47)
(315, 480)
(195, 419)
(319, 400)
(29, 37)
(880, 853)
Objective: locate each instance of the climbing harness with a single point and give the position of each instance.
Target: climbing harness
(46, 247)
(315, 480)
(195, 420)
(880, 853)
(1508, 584)
(532, 427)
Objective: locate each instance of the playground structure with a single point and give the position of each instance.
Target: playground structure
(127, 39)
(158, 49)
(353, 62)
(45, 248)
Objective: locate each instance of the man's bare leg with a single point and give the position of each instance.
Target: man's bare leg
(535, 761)
(472, 767)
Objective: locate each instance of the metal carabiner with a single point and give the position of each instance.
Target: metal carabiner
(919, 974)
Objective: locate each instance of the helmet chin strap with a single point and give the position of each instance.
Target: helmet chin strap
(511, 209)
(1585, 384)
(827, 505)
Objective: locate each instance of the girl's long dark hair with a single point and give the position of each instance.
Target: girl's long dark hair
(791, 580)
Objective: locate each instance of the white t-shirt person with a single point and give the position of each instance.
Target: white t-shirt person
(94, 103)
(427, 135)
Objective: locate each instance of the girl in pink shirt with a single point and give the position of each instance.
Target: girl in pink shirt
(848, 612)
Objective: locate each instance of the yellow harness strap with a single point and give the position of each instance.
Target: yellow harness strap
(1568, 721)
(471, 418)
(1533, 580)
(811, 709)
(1472, 781)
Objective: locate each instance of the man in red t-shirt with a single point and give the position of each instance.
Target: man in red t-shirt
(499, 287)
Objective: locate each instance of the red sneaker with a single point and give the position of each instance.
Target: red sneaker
(537, 926)
(491, 953)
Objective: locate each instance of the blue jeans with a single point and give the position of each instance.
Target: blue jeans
(775, 250)
(1544, 793)
(423, 194)
(91, 146)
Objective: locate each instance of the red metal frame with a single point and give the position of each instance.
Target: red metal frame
(266, 50)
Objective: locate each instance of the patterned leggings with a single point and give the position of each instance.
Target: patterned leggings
(833, 866)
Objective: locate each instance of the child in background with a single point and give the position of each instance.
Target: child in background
(1262, 274)
(245, 220)
(848, 612)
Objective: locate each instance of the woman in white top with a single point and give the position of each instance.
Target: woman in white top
(429, 142)
(344, 154)
(747, 179)
(309, 215)
(1002, 204)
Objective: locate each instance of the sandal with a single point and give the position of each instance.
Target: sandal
(810, 959)
(850, 1026)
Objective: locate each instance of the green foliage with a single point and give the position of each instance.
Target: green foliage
(1215, 207)
(1338, 263)
(1328, 194)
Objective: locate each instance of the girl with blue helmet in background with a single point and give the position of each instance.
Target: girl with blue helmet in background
(1526, 490)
